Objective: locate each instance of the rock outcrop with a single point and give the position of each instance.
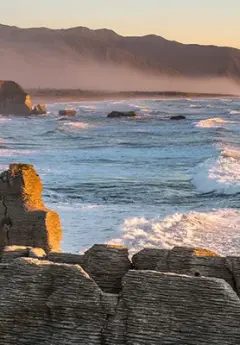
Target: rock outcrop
(42, 302)
(24, 220)
(115, 114)
(182, 296)
(178, 117)
(13, 99)
(67, 112)
(39, 109)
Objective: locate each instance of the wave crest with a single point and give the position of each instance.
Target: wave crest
(213, 122)
(216, 230)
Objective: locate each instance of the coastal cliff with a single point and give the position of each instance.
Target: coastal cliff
(182, 296)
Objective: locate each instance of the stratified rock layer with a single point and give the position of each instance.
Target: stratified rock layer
(44, 303)
(24, 220)
(13, 99)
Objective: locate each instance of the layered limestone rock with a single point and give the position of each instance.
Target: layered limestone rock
(107, 265)
(44, 302)
(24, 220)
(162, 308)
(13, 99)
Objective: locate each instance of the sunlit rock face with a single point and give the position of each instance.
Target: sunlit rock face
(13, 99)
(24, 219)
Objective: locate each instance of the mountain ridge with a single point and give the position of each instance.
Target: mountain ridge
(58, 49)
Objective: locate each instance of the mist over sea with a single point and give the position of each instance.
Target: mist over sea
(144, 181)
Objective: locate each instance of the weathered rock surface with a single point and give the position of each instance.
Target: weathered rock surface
(158, 308)
(106, 265)
(13, 99)
(66, 258)
(114, 114)
(39, 109)
(67, 112)
(149, 259)
(44, 303)
(24, 220)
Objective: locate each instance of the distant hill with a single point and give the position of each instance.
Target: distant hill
(32, 53)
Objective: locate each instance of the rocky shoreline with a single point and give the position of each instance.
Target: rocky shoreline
(182, 296)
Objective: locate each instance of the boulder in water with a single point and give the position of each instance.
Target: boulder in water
(13, 99)
(39, 109)
(114, 114)
(178, 117)
(67, 112)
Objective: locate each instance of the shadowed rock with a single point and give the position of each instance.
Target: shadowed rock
(24, 220)
(66, 258)
(67, 112)
(114, 114)
(107, 264)
(178, 117)
(149, 258)
(13, 99)
(46, 303)
(158, 308)
(39, 109)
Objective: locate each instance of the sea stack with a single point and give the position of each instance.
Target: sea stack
(24, 220)
(13, 99)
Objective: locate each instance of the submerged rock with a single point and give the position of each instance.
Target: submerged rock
(13, 99)
(114, 114)
(67, 112)
(178, 117)
(24, 220)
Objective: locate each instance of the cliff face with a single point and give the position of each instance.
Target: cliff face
(183, 296)
(13, 99)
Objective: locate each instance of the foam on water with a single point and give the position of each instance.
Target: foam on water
(217, 230)
(213, 122)
(234, 112)
(220, 175)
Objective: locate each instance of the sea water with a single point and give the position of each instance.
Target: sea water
(144, 181)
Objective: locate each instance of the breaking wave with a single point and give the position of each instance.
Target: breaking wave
(234, 112)
(220, 175)
(217, 230)
(213, 122)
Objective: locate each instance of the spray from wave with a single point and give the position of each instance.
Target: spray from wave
(213, 122)
(217, 230)
(219, 175)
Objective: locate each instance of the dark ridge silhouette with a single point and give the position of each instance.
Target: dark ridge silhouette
(82, 58)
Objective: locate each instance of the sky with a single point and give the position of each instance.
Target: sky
(188, 21)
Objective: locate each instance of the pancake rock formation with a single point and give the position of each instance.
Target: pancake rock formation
(13, 99)
(182, 296)
(101, 297)
(24, 220)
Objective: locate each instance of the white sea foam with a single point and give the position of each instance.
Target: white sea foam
(220, 175)
(213, 122)
(234, 112)
(74, 126)
(217, 230)
(17, 153)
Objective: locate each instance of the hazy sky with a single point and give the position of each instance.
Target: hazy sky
(188, 21)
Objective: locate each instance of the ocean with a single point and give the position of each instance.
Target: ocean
(143, 182)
